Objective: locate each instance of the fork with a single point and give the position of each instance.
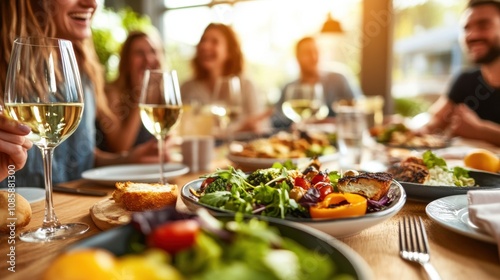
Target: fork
(413, 245)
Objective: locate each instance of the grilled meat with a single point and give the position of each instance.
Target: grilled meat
(411, 170)
(371, 185)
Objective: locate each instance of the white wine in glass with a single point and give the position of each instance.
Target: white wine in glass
(43, 90)
(161, 107)
(304, 102)
(227, 103)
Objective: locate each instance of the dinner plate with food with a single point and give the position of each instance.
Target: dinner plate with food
(281, 147)
(210, 247)
(130, 197)
(428, 177)
(338, 204)
(398, 135)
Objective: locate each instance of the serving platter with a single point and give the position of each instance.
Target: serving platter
(439, 144)
(258, 163)
(339, 227)
(144, 173)
(427, 193)
(347, 261)
(452, 212)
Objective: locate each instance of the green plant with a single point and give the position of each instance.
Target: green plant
(409, 107)
(110, 29)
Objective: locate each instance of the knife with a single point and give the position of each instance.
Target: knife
(59, 188)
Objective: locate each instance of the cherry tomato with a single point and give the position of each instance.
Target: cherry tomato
(324, 189)
(206, 182)
(302, 182)
(174, 236)
(320, 177)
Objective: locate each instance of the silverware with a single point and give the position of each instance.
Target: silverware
(59, 188)
(413, 245)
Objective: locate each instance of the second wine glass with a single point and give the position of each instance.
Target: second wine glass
(227, 103)
(161, 107)
(304, 102)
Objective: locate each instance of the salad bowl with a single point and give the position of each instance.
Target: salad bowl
(337, 227)
(347, 263)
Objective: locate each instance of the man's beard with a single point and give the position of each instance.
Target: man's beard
(492, 54)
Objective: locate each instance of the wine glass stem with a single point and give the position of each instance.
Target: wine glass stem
(50, 219)
(161, 141)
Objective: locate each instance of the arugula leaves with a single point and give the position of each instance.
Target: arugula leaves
(264, 189)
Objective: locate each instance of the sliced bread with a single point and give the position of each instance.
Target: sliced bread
(144, 196)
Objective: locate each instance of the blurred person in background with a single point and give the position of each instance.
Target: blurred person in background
(140, 51)
(218, 55)
(335, 85)
(67, 20)
(471, 107)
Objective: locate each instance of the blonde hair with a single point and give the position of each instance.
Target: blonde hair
(18, 19)
(21, 18)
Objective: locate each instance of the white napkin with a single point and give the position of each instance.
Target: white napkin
(484, 212)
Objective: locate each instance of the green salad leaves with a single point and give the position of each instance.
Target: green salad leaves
(267, 187)
(256, 251)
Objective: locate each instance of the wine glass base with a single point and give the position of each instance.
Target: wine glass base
(48, 234)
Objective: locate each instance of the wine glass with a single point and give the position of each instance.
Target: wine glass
(161, 107)
(304, 102)
(227, 104)
(43, 90)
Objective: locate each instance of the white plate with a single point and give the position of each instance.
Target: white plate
(145, 173)
(256, 163)
(452, 213)
(339, 227)
(31, 194)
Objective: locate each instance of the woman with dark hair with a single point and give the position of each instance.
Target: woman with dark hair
(218, 55)
(140, 51)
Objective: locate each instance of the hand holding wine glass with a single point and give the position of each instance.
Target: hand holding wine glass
(304, 102)
(161, 107)
(43, 90)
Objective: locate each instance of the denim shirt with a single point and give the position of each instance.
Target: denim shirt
(71, 157)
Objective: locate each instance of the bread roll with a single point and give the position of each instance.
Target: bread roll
(107, 214)
(14, 210)
(144, 196)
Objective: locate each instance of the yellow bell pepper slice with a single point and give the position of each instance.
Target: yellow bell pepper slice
(339, 205)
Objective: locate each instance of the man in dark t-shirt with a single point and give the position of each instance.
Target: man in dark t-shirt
(471, 109)
(471, 89)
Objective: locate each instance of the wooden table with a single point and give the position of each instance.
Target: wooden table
(454, 256)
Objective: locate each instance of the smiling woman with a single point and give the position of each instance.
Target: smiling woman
(73, 19)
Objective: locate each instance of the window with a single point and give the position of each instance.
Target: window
(426, 48)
